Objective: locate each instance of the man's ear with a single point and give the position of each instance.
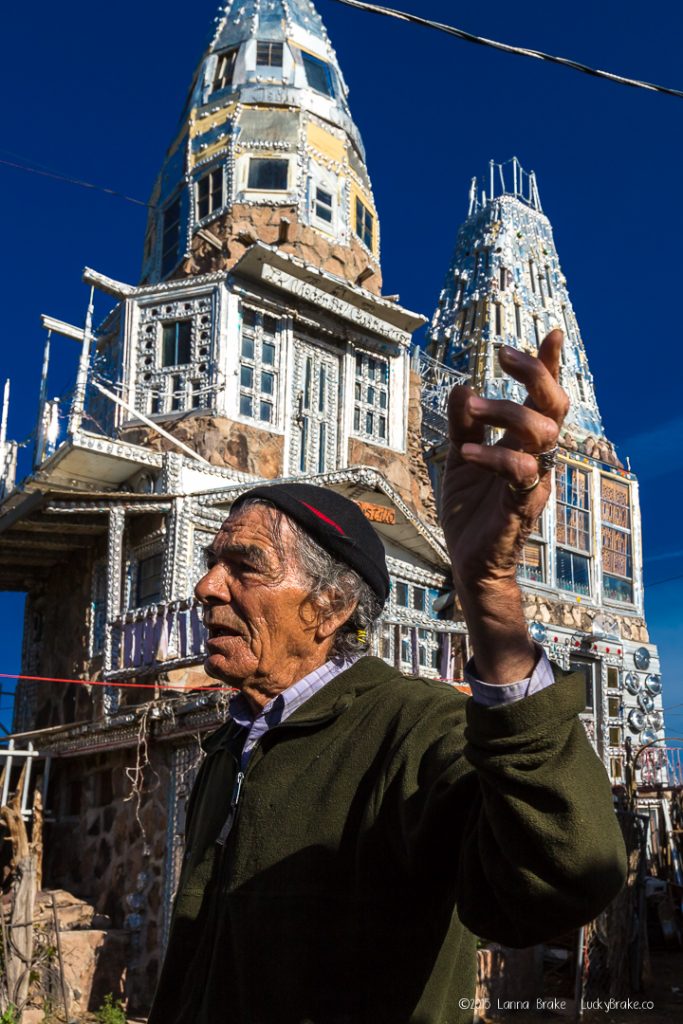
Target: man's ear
(332, 613)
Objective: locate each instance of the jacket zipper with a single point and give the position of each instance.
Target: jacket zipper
(234, 804)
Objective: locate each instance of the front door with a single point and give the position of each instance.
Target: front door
(315, 430)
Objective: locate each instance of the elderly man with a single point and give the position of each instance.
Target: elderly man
(351, 830)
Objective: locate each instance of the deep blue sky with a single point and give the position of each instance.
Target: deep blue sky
(95, 91)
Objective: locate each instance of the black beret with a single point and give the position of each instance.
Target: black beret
(335, 522)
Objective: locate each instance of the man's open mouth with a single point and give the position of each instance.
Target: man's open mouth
(218, 631)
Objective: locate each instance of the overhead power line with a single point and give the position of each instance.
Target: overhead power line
(73, 181)
(520, 51)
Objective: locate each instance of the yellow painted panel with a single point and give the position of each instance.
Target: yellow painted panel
(326, 143)
(206, 122)
(196, 158)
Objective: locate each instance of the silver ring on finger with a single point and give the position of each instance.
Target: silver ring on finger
(526, 490)
(547, 460)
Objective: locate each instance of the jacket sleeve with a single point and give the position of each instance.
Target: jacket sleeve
(513, 810)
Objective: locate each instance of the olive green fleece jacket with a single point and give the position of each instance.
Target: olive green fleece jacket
(379, 829)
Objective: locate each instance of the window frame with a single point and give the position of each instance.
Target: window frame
(257, 366)
(364, 224)
(272, 45)
(317, 63)
(251, 164)
(233, 52)
(366, 380)
(212, 207)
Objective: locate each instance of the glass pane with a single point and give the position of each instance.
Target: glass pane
(168, 347)
(246, 405)
(402, 594)
(247, 377)
(369, 422)
(267, 381)
(371, 396)
(372, 365)
(356, 419)
(184, 342)
(615, 589)
(307, 383)
(304, 444)
(269, 325)
(382, 399)
(358, 392)
(317, 74)
(419, 598)
(268, 353)
(322, 389)
(266, 412)
(268, 175)
(249, 317)
(322, 448)
(247, 347)
(382, 426)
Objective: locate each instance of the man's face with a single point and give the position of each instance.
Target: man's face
(262, 631)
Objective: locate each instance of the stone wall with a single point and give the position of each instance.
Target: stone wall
(221, 442)
(573, 615)
(227, 239)
(107, 850)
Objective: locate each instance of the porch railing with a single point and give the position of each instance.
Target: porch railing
(162, 633)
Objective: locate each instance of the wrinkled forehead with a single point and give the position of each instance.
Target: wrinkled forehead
(261, 526)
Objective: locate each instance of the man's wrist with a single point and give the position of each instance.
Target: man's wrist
(503, 650)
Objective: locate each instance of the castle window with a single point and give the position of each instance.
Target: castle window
(365, 223)
(549, 282)
(617, 561)
(225, 68)
(518, 321)
(148, 590)
(532, 563)
(573, 529)
(323, 206)
(170, 239)
(210, 193)
(176, 343)
(318, 74)
(258, 366)
(499, 318)
(371, 397)
(587, 669)
(532, 276)
(269, 55)
(268, 175)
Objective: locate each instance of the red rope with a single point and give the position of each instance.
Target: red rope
(102, 682)
(145, 686)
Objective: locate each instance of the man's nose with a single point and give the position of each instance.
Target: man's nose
(213, 587)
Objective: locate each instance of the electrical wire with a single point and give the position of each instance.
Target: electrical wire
(669, 579)
(75, 181)
(520, 51)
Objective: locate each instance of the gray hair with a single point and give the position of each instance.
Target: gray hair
(332, 581)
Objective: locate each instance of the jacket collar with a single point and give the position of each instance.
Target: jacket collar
(328, 703)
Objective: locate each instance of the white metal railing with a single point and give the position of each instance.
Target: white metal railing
(12, 757)
(161, 633)
(660, 766)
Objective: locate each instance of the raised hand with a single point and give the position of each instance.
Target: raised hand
(493, 495)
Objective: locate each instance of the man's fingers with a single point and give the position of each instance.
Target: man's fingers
(462, 425)
(529, 429)
(518, 468)
(550, 352)
(539, 375)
